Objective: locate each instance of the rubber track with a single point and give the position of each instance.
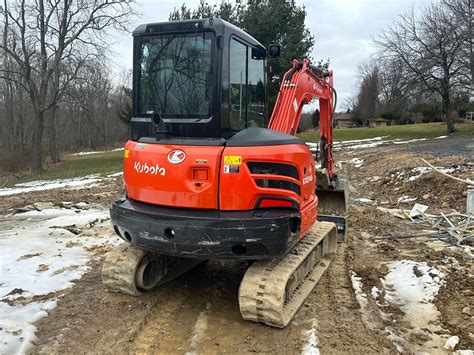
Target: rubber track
(120, 267)
(262, 290)
(121, 264)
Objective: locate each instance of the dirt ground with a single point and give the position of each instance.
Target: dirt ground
(198, 313)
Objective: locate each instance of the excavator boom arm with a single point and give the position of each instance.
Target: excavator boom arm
(300, 85)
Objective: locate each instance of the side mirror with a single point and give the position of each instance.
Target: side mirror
(274, 51)
(156, 118)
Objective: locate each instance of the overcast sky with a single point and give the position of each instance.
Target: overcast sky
(342, 29)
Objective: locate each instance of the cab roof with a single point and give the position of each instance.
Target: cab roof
(217, 25)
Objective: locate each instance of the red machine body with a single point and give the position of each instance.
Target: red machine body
(222, 178)
(200, 181)
(250, 194)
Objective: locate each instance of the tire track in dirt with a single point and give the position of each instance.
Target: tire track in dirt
(220, 327)
(160, 333)
(170, 326)
(226, 330)
(341, 328)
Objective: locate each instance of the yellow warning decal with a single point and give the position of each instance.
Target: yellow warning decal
(125, 153)
(233, 159)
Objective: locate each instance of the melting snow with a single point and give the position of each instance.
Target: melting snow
(410, 141)
(369, 142)
(39, 256)
(354, 144)
(451, 342)
(405, 199)
(413, 286)
(364, 200)
(41, 185)
(17, 331)
(357, 286)
(375, 292)
(311, 346)
(115, 174)
(357, 162)
(424, 169)
(98, 152)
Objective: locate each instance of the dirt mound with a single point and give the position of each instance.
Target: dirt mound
(431, 189)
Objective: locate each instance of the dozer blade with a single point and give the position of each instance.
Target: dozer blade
(333, 198)
(272, 291)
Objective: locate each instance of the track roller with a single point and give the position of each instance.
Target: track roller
(272, 291)
(132, 271)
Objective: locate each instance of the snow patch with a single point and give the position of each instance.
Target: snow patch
(98, 152)
(115, 174)
(41, 185)
(353, 144)
(364, 200)
(16, 323)
(451, 342)
(357, 162)
(311, 345)
(369, 143)
(424, 169)
(39, 256)
(361, 296)
(405, 199)
(410, 141)
(413, 286)
(375, 292)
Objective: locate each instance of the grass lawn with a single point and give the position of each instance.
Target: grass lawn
(73, 166)
(110, 162)
(405, 132)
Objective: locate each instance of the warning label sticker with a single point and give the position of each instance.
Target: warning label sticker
(231, 169)
(233, 159)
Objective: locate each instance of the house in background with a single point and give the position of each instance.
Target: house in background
(470, 116)
(380, 122)
(345, 120)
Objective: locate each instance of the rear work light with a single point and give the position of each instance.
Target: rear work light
(272, 202)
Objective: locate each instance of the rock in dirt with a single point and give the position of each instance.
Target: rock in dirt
(467, 310)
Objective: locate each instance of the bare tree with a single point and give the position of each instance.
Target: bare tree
(368, 95)
(396, 89)
(463, 11)
(49, 41)
(429, 45)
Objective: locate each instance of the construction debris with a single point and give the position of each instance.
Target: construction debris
(454, 228)
(418, 209)
(467, 181)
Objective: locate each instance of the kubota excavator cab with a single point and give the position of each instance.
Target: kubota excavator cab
(203, 177)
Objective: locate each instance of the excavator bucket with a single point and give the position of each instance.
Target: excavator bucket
(333, 201)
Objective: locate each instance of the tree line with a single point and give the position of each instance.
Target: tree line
(56, 91)
(424, 65)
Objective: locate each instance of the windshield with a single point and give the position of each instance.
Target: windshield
(175, 75)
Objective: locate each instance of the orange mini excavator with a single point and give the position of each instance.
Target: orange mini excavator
(207, 176)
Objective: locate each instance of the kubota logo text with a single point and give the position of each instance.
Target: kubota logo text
(176, 156)
(148, 169)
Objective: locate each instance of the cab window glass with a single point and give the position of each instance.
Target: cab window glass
(247, 89)
(255, 89)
